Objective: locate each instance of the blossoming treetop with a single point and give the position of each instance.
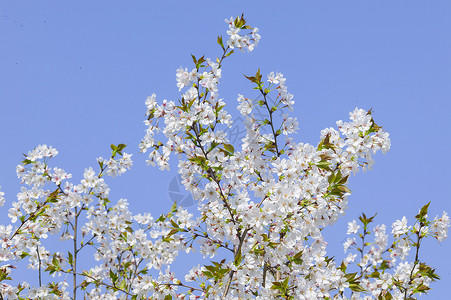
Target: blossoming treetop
(264, 205)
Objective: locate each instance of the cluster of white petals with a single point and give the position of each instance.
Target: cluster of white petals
(2, 198)
(236, 37)
(439, 227)
(385, 265)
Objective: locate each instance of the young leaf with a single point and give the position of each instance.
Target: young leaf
(229, 148)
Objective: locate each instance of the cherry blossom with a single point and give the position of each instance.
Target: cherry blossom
(262, 207)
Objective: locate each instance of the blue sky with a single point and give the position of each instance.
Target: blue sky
(75, 75)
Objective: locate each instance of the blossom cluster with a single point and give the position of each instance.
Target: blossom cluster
(379, 257)
(2, 199)
(262, 209)
(237, 39)
(50, 205)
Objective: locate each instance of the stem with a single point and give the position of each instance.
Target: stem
(417, 244)
(238, 250)
(39, 262)
(223, 56)
(362, 250)
(74, 265)
(212, 173)
(205, 235)
(265, 266)
(229, 282)
(183, 285)
(271, 123)
(76, 250)
(98, 282)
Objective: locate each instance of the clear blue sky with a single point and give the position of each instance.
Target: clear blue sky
(75, 75)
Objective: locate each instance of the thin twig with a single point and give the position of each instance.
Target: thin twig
(74, 263)
(39, 262)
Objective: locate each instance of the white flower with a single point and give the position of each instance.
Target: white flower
(185, 78)
(399, 227)
(244, 106)
(352, 227)
(240, 40)
(439, 227)
(90, 179)
(349, 242)
(2, 199)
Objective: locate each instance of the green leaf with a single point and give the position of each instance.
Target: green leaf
(384, 265)
(211, 268)
(198, 62)
(172, 232)
(331, 178)
(343, 188)
(238, 258)
(427, 271)
(281, 286)
(229, 148)
(220, 42)
(350, 276)
(323, 164)
(356, 287)
(256, 78)
(375, 274)
(53, 196)
(198, 160)
(216, 271)
(212, 146)
(276, 285)
(251, 78)
(365, 221)
(120, 147)
(123, 285)
(208, 274)
(342, 267)
(174, 224)
(285, 282)
(113, 276)
(229, 53)
(50, 269)
(194, 59)
(297, 258)
(4, 275)
(423, 212)
(240, 22)
(56, 262)
(27, 161)
(324, 143)
(343, 180)
(162, 218)
(174, 208)
(386, 296)
(70, 258)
